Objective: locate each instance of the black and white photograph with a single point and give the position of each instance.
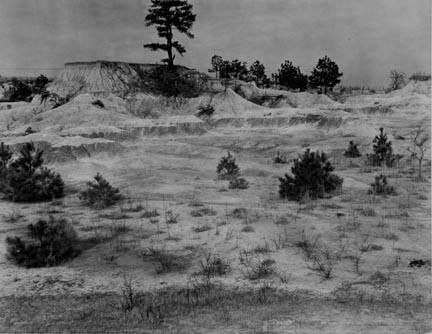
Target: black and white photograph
(215, 166)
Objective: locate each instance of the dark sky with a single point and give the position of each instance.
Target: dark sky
(367, 38)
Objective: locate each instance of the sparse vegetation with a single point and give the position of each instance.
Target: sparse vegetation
(203, 212)
(308, 245)
(166, 261)
(100, 193)
(54, 241)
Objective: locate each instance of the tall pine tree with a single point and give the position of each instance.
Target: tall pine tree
(168, 15)
(325, 75)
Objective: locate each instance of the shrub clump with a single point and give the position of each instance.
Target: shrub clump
(213, 265)
(280, 159)
(352, 151)
(206, 110)
(100, 193)
(174, 82)
(24, 179)
(311, 175)
(98, 103)
(381, 186)
(54, 242)
(238, 183)
(227, 168)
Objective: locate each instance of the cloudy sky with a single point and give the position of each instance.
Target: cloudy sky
(366, 38)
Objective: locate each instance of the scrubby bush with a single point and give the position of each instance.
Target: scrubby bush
(26, 180)
(18, 91)
(53, 242)
(255, 267)
(174, 81)
(280, 159)
(381, 186)
(312, 175)
(206, 110)
(352, 151)
(100, 193)
(227, 168)
(213, 265)
(238, 183)
(54, 99)
(98, 103)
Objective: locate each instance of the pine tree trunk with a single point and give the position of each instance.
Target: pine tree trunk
(170, 51)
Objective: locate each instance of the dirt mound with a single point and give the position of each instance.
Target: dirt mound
(99, 76)
(108, 76)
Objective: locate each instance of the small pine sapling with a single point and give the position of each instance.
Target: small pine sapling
(227, 168)
(352, 151)
(381, 186)
(100, 193)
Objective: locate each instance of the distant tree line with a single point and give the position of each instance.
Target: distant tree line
(324, 76)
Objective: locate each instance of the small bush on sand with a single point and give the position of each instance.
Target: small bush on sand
(166, 261)
(312, 175)
(227, 168)
(280, 159)
(381, 186)
(54, 242)
(256, 267)
(308, 245)
(206, 110)
(203, 212)
(352, 151)
(24, 179)
(98, 103)
(213, 265)
(100, 193)
(238, 183)
(323, 262)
